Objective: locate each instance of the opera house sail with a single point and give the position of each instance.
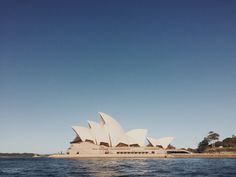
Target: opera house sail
(107, 138)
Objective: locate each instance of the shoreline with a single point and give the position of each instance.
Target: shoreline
(205, 155)
(202, 155)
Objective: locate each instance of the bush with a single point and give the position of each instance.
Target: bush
(229, 142)
(202, 145)
(218, 144)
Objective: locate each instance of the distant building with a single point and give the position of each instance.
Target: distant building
(108, 138)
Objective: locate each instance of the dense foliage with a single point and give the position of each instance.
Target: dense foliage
(229, 142)
(211, 143)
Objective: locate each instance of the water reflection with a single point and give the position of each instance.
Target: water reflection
(123, 167)
(150, 167)
(117, 167)
(110, 167)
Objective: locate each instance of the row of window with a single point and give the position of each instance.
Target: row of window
(153, 152)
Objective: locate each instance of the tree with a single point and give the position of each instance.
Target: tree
(229, 142)
(212, 137)
(203, 145)
(218, 144)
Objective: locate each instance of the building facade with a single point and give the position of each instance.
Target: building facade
(108, 139)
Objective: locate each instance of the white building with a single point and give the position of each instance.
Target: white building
(108, 139)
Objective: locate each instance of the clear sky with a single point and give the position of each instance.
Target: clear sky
(168, 66)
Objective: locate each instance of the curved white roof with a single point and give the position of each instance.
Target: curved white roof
(110, 131)
(99, 132)
(126, 139)
(113, 128)
(164, 142)
(139, 136)
(84, 133)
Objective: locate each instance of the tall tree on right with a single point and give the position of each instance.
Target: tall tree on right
(212, 137)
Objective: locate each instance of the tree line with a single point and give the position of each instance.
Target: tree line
(211, 141)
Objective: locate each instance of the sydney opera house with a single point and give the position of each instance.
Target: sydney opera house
(108, 139)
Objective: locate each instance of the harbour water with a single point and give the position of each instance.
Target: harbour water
(30, 167)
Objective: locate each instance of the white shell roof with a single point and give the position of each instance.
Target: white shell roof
(164, 142)
(84, 133)
(113, 128)
(110, 131)
(99, 132)
(139, 136)
(126, 139)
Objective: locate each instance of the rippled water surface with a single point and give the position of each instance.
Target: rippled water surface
(117, 167)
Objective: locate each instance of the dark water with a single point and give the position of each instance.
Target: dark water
(31, 167)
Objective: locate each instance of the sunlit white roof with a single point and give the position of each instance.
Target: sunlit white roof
(126, 139)
(99, 132)
(110, 132)
(164, 142)
(139, 136)
(84, 133)
(113, 128)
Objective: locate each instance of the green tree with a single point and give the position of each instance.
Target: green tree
(218, 144)
(212, 137)
(203, 145)
(229, 142)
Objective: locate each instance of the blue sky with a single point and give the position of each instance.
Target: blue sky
(168, 66)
